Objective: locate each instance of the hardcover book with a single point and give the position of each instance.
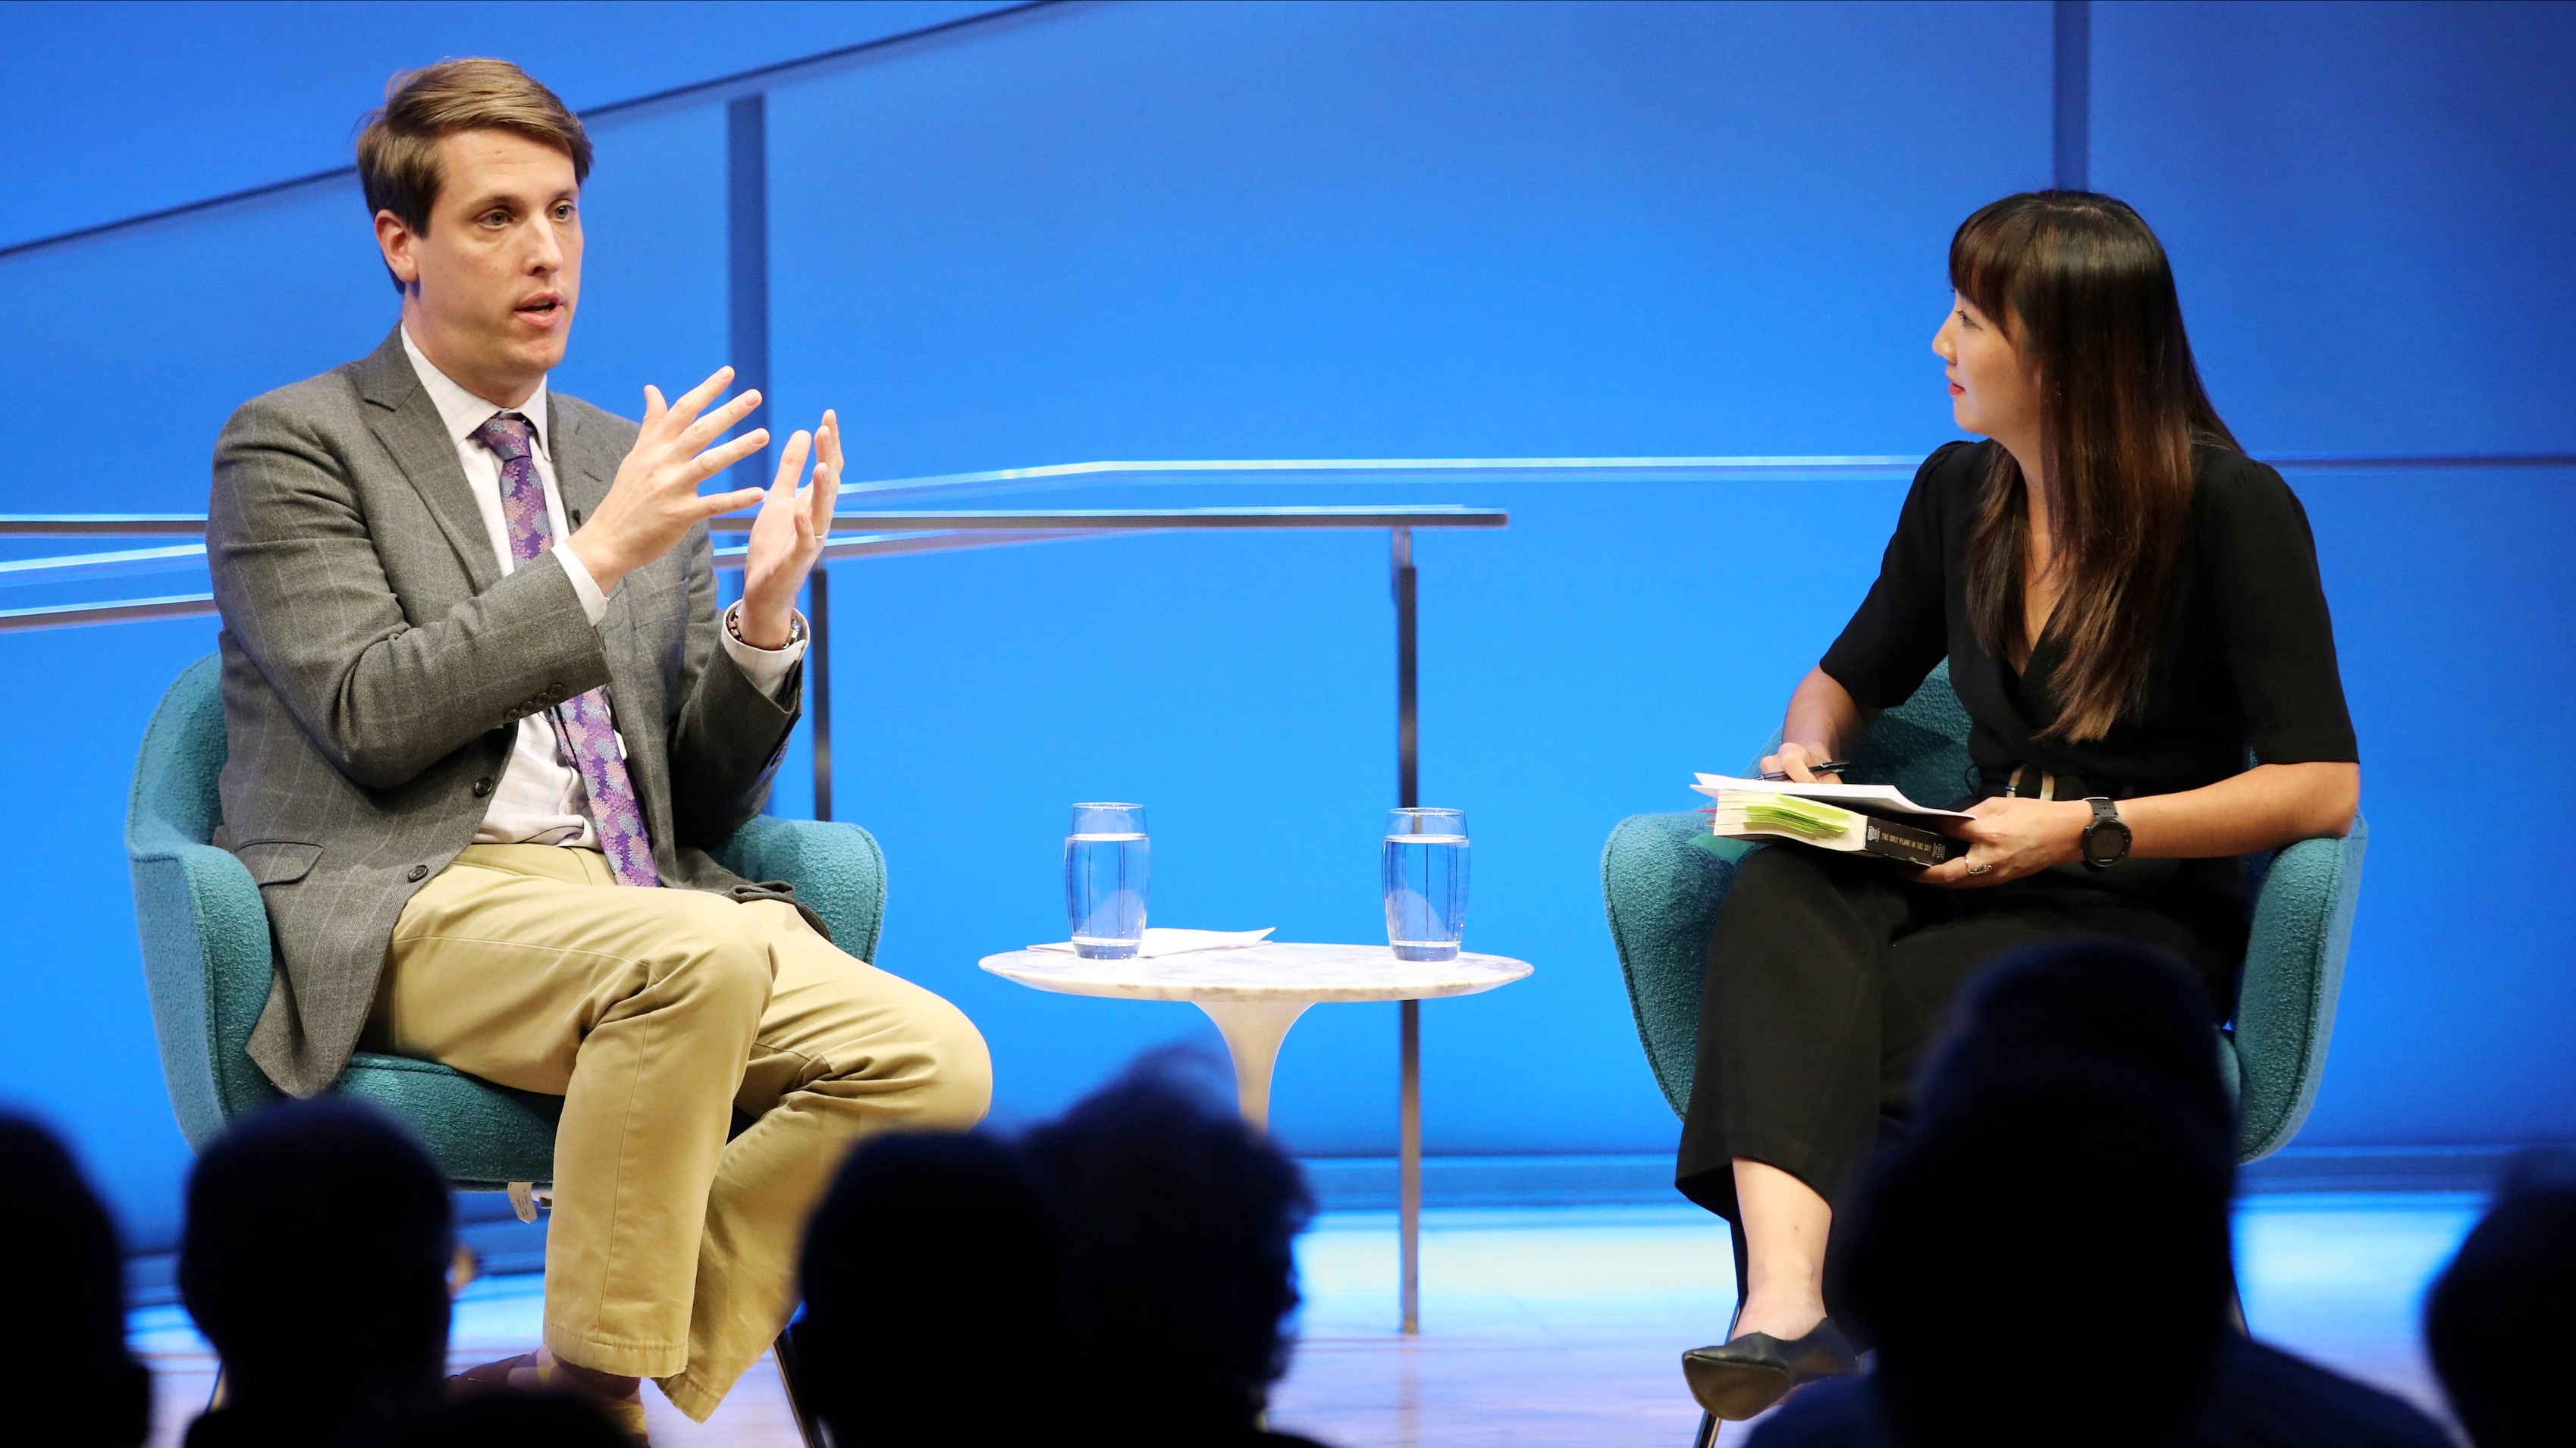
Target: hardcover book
(1871, 819)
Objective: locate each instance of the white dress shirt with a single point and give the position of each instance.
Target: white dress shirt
(540, 798)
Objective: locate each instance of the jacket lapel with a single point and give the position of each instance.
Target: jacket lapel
(584, 467)
(586, 460)
(405, 420)
(584, 463)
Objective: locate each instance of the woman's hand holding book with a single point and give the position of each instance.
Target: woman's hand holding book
(2011, 838)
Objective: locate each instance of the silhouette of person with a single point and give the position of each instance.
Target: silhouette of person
(2497, 1321)
(64, 1332)
(1180, 1222)
(935, 1307)
(315, 1260)
(2046, 1260)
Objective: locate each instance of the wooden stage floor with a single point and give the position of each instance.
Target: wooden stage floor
(1558, 1326)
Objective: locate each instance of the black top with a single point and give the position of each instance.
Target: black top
(2245, 665)
(2246, 660)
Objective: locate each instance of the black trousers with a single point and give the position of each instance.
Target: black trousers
(1830, 979)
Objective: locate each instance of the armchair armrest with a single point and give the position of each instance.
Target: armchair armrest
(2285, 1006)
(837, 870)
(207, 966)
(1663, 877)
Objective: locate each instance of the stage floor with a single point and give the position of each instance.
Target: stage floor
(1563, 1325)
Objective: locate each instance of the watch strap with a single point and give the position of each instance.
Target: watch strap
(2106, 819)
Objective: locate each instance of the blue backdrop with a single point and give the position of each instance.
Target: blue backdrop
(1172, 231)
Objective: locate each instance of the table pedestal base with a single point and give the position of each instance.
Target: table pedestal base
(1254, 993)
(1253, 1031)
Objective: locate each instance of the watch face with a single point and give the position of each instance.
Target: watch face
(2106, 843)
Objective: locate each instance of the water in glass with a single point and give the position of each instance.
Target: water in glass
(1108, 861)
(1424, 862)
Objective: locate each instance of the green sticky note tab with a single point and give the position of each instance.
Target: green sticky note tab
(1812, 819)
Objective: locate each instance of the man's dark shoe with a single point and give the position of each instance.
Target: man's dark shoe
(539, 1372)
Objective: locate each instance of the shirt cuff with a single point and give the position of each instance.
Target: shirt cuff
(766, 668)
(593, 602)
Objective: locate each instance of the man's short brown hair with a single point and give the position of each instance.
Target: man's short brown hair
(398, 150)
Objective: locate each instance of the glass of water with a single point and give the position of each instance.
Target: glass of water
(1107, 863)
(1425, 865)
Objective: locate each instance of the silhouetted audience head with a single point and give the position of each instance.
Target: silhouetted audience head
(315, 1260)
(509, 1418)
(935, 1308)
(1181, 1220)
(2050, 1249)
(2083, 1001)
(2501, 1320)
(63, 1336)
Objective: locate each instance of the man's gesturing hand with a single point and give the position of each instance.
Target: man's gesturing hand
(788, 535)
(655, 499)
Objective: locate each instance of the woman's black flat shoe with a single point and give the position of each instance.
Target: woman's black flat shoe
(1739, 1379)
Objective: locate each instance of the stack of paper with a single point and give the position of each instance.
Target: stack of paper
(1874, 798)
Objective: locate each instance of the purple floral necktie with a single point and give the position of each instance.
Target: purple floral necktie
(585, 724)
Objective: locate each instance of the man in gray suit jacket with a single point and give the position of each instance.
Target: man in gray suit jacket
(485, 722)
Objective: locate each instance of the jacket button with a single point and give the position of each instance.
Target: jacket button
(416, 873)
(482, 786)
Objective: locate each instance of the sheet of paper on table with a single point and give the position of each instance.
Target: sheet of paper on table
(1160, 942)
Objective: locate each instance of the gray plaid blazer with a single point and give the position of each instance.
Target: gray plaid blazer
(376, 661)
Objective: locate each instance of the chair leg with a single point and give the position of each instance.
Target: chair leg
(791, 1373)
(1706, 1437)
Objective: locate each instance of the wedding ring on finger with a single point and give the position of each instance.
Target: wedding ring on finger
(1979, 869)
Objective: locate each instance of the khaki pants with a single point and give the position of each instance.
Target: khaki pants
(655, 1014)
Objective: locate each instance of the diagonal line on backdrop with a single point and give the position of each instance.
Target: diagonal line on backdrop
(636, 107)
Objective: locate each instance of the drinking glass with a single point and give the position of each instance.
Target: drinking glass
(1424, 861)
(1107, 862)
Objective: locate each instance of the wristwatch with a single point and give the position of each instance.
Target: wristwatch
(2106, 840)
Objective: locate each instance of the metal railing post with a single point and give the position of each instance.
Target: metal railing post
(747, 268)
(818, 667)
(1408, 1103)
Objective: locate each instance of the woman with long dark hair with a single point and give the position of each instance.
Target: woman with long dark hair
(2132, 616)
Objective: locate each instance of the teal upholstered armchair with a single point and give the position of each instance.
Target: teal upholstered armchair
(207, 961)
(1663, 878)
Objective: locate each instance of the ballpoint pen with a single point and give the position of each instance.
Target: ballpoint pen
(1829, 766)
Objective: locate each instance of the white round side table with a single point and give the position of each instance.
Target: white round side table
(1254, 993)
